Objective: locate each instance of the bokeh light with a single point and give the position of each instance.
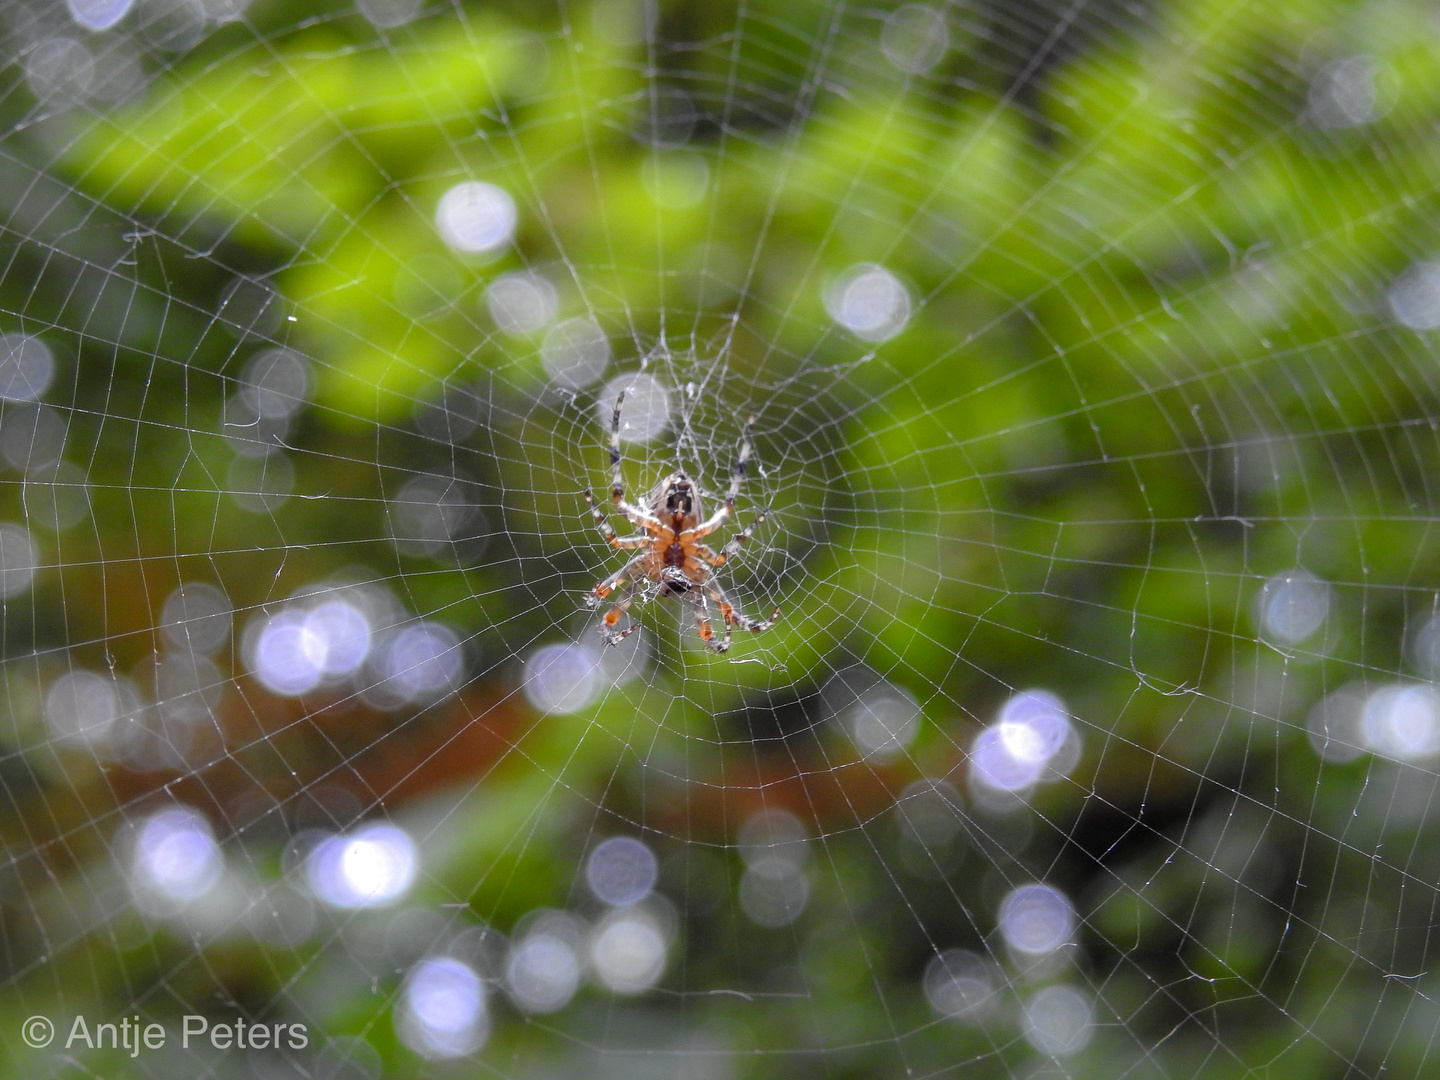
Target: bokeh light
(196, 618)
(420, 663)
(774, 891)
(1415, 297)
(915, 38)
(1032, 740)
(476, 217)
(27, 366)
(387, 14)
(563, 678)
(961, 985)
(621, 871)
(1402, 721)
(1292, 606)
(576, 353)
(1333, 724)
(645, 413)
(276, 383)
(19, 561)
(1059, 1020)
(31, 436)
(1344, 93)
(98, 15)
(442, 1011)
(544, 967)
(522, 303)
(628, 951)
(883, 722)
(369, 868)
(81, 707)
(870, 302)
(176, 859)
(1036, 920)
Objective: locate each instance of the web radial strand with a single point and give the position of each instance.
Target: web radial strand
(1060, 697)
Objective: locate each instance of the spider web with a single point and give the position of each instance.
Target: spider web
(1091, 350)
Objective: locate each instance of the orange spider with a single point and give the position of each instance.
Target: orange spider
(673, 559)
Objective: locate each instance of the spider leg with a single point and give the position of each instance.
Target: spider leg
(735, 543)
(611, 583)
(622, 604)
(702, 623)
(737, 477)
(608, 531)
(735, 617)
(617, 481)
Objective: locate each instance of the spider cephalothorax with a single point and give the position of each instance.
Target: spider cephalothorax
(673, 558)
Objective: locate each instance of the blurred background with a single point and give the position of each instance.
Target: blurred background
(1092, 350)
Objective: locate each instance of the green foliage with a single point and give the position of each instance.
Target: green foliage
(1152, 367)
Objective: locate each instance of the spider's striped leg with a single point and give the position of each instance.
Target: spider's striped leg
(702, 623)
(622, 604)
(617, 481)
(607, 530)
(737, 477)
(736, 542)
(735, 617)
(611, 583)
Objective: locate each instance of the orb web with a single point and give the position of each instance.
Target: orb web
(1091, 356)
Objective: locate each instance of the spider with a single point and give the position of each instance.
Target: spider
(673, 559)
